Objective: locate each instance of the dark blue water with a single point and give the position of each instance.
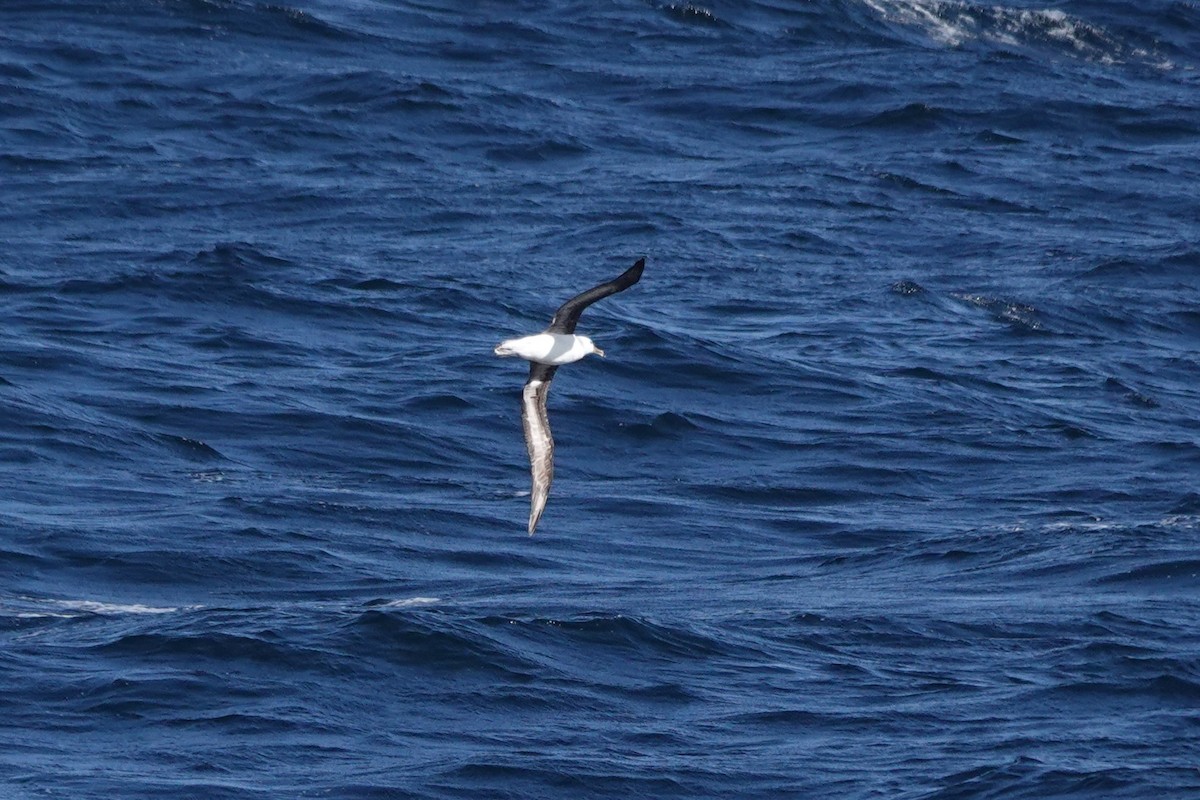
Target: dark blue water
(889, 486)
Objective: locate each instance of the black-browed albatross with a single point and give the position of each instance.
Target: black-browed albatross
(546, 352)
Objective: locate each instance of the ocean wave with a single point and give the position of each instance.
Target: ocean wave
(1173, 263)
(624, 632)
(370, 90)
(693, 15)
(1029, 778)
(250, 18)
(956, 24)
(1181, 574)
(1021, 316)
(433, 641)
(24, 607)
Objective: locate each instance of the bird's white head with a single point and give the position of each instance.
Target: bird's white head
(591, 346)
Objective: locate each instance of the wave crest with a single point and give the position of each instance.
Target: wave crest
(956, 23)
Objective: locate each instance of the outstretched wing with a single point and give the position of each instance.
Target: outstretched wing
(538, 441)
(567, 316)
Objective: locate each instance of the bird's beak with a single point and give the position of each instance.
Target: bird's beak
(597, 351)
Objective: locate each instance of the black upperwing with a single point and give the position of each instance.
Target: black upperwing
(567, 316)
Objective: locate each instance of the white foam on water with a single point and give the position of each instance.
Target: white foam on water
(953, 22)
(1180, 521)
(411, 601)
(926, 15)
(39, 607)
(95, 607)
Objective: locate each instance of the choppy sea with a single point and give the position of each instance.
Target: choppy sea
(889, 486)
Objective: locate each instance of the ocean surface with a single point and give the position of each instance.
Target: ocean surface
(889, 486)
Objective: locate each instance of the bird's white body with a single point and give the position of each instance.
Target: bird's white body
(553, 349)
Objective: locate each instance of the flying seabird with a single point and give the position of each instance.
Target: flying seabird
(546, 352)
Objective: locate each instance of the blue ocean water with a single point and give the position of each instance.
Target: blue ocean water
(889, 486)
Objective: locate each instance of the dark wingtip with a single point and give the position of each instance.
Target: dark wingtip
(635, 271)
